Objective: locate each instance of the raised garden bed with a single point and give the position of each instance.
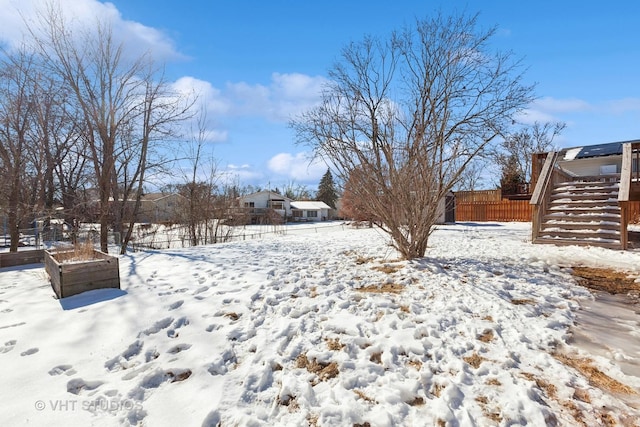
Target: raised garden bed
(71, 274)
(13, 259)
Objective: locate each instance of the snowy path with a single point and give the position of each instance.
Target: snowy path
(290, 331)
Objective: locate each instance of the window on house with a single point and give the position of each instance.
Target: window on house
(297, 213)
(277, 205)
(249, 204)
(312, 214)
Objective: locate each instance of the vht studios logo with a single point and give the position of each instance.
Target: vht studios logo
(70, 405)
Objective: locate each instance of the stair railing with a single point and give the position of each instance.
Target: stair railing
(542, 194)
(629, 179)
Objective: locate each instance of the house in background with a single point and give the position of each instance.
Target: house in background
(264, 207)
(159, 207)
(310, 211)
(582, 195)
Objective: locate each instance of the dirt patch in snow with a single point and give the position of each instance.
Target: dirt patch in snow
(606, 280)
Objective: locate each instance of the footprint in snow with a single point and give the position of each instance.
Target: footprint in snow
(30, 351)
(176, 305)
(158, 326)
(8, 346)
(181, 322)
(120, 361)
(62, 369)
(78, 385)
(178, 348)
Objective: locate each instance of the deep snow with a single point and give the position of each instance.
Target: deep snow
(289, 330)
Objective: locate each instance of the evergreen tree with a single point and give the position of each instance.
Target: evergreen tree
(327, 190)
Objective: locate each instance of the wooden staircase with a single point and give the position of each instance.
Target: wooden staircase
(582, 212)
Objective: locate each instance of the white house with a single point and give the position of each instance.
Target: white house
(310, 211)
(259, 206)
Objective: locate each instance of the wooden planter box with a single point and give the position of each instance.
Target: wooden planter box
(73, 277)
(13, 259)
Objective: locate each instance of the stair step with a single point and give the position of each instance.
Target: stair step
(610, 244)
(582, 220)
(591, 226)
(583, 210)
(586, 186)
(585, 196)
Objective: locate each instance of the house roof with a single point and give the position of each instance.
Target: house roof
(310, 205)
(598, 150)
(272, 195)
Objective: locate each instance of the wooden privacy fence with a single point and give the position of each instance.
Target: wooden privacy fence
(503, 210)
(514, 210)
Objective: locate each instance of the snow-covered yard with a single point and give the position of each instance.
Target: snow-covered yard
(326, 329)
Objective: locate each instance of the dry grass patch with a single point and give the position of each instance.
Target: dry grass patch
(523, 301)
(376, 358)
(493, 381)
(605, 279)
(417, 401)
(488, 318)
(363, 260)
(334, 344)
(475, 360)
(486, 335)
(436, 389)
(289, 401)
(388, 268)
(324, 371)
(416, 364)
(595, 376)
(364, 397)
(232, 315)
(549, 389)
(313, 292)
(391, 288)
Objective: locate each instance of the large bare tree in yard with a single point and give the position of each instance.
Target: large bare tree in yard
(123, 105)
(409, 113)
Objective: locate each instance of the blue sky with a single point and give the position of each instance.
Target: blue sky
(258, 62)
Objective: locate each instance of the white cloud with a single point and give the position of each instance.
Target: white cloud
(83, 14)
(286, 95)
(622, 106)
(299, 166)
(239, 174)
(554, 105)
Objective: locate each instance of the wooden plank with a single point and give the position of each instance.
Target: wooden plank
(625, 174)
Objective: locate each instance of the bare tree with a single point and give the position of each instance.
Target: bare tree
(410, 113)
(296, 191)
(514, 153)
(16, 112)
(122, 107)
